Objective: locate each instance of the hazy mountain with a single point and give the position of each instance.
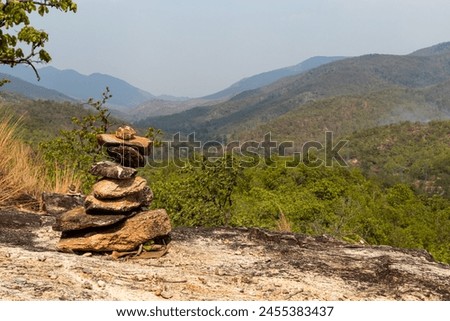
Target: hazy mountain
(266, 78)
(353, 77)
(161, 107)
(26, 89)
(346, 114)
(164, 105)
(439, 49)
(82, 87)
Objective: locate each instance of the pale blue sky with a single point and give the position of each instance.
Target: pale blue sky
(197, 47)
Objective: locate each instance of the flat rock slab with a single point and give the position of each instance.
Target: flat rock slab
(78, 219)
(127, 236)
(141, 143)
(224, 264)
(125, 204)
(117, 188)
(16, 227)
(56, 203)
(112, 170)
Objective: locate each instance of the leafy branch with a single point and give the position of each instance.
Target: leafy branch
(15, 14)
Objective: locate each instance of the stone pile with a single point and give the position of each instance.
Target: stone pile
(114, 216)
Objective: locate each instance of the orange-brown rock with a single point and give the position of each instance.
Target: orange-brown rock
(116, 188)
(129, 235)
(141, 143)
(118, 205)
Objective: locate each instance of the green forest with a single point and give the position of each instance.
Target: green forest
(336, 201)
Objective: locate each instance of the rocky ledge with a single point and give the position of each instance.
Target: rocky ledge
(213, 264)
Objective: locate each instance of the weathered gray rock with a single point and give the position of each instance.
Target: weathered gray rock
(119, 205)
(141, 143)
(117, 188)
(134, 231)
(112, 170)
(56, 203)
(126, 156)
(78, 219)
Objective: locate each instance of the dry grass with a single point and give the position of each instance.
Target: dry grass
(65, 180)
(283, 224)
(23, 176)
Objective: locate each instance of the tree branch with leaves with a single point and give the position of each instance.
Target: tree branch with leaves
(20, 42)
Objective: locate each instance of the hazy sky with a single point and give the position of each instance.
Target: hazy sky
(197, 47)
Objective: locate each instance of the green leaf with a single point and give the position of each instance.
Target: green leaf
(44, 55)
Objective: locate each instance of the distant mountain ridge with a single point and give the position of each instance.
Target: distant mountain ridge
(439, 49)
(81, 87)
(355, 77)
(164, 107)
(266, 78)
(128, 101)
(28, 90)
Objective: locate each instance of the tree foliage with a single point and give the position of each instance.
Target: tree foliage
(17, 33)
(327, 200)
(197, 195)
(413, 153)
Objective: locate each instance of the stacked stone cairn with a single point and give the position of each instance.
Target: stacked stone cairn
(114, 217)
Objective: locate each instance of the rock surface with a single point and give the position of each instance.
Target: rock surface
(117, 188)
(112, 170)
(78, 219)
(141, 143)
(215, 264)
(126, 156)
(127, 236)
(55, 203)
(119, 205)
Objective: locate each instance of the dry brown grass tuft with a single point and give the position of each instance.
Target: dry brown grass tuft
(65, 180)
(283, 224)
(23, 176)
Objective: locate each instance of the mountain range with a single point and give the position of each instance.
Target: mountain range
(297, 102)
(161, 107)
(266, 78)
(74, 86)
(344, 95)
(29, 90)
(128, 101)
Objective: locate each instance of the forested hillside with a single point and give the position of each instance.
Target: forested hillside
(414, 153)
(413, 80)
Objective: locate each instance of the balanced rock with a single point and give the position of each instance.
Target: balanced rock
(56, 203)
(112, 170)
(110, 140)
(78, 219)
(118, 205)
(133, 232)
(126, 156)
(116, 188)
(125, 133)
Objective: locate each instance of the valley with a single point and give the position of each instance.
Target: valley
(393, 111)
